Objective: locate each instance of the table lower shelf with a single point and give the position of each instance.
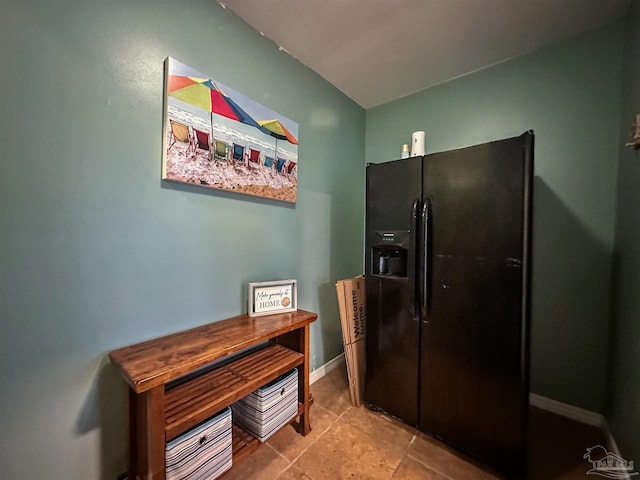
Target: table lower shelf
(197, 399)
(243, 443)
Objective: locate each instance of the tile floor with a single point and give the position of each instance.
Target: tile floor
(355, 443)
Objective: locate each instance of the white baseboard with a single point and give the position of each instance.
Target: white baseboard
(613, 446)
(566, 410)
(611, 441)
(322, 370)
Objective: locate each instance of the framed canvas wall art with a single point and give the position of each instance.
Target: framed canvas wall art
(217, 138)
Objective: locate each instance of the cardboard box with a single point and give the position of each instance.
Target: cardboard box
(351, 304)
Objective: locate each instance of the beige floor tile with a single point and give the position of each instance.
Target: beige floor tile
(291, 444)
(347, 452)
(411, 469)
(332, 391)
(443, 459)
(387, 431)
(263, 464)
(294, 473)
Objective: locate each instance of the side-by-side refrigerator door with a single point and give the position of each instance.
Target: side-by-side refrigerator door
(474, 335)
(392, 339)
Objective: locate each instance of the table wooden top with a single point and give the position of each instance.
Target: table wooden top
(155, 362)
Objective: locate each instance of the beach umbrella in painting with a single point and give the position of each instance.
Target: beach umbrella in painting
(205, 94)
(276, 129)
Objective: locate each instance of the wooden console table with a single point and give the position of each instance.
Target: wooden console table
(174, 387)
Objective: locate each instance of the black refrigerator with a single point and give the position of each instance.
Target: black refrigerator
(447, 269)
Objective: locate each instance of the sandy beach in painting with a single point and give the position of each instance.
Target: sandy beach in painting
(246, 177)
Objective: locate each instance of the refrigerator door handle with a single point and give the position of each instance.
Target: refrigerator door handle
(413, 248)
(424, 274)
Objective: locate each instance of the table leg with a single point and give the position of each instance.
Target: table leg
(147, 454)
(304, 391)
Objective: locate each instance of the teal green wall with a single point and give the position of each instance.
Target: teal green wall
(623, 406)
(569, 94)
(97, 252)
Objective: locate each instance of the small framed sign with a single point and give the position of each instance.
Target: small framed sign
(279, 296)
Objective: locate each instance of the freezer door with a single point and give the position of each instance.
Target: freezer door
(392, 334)
(474, 331)
(390, 189)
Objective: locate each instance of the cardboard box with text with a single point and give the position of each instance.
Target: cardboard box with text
(351, 303)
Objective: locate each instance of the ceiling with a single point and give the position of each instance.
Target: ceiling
(376, 51)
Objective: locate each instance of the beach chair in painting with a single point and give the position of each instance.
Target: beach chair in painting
(268, 163)
(238, 152)
(280, 165)
(254, 157)
(180, 133)
(220, 151)
(203, 142)
(291, 168)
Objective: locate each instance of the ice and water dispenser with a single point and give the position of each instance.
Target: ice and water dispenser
(389, 253)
